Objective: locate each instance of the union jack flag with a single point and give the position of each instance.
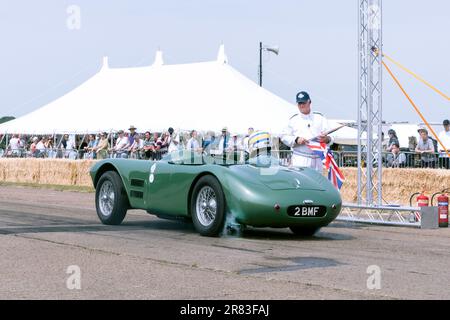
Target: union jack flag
(334, 174)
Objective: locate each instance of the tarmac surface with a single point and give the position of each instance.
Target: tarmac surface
(45, 233)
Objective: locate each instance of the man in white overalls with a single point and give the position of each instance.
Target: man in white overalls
(303, 127)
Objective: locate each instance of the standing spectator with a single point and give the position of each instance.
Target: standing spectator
(33, 149)
(102, 147)
(245, 142)
(425, 148)
(224, 141)
(15, 145)
(174, 141)
(132, 134)
(303, 127)
(192, 143)
(396, 159)
(444, 136)
(210, 142)
(165, 141)
(393, 139)
(235, 143)
(49, 147)
(40, 148)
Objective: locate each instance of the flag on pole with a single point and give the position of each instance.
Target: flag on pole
(326, 155)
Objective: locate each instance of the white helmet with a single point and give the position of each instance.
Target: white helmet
(259, 140)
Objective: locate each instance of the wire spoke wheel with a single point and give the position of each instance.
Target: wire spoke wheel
(111, 201)
(106, 198)
(206, 206)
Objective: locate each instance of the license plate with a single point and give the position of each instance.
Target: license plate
(307, 211)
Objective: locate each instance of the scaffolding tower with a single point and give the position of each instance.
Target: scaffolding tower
(370, 45)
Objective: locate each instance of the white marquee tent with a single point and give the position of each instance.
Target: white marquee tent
(201, 96)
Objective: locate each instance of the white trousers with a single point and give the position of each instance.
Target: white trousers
(305, 162)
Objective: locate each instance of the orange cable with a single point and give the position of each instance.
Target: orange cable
(416, 108)
(417, 77)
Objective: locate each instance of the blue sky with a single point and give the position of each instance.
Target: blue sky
(41, 59)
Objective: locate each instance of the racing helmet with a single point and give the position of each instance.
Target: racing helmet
(259, 142)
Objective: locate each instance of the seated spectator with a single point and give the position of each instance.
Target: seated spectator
(90, 148)
(102, 147)
(393, 139)
(120, 150)
(156, 146)
(396, 159)
(425, 148)
(148, 145)
(136, 148)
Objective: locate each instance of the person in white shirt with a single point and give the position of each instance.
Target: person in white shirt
(192, 143)
(122, 145)
(303, 127)
(40, 148)
(15, 144)
(223, 141)
(444, 136)
(174, 141)
(245, 142)
(136, 148)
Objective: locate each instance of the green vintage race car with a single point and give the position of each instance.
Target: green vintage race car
(221, 192)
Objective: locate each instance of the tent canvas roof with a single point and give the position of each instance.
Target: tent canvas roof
(201, 96)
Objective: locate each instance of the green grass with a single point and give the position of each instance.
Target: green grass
(47, 186)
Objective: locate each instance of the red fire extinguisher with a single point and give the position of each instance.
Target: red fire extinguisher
(442, 208)
(422, 201)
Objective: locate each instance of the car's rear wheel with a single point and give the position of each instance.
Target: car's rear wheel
(111, 200)
(304, 231)
(208, 206)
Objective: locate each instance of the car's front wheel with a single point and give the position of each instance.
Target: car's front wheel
(208, 206)
(111, 200)
(304, 231)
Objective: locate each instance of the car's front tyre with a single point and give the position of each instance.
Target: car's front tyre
(208, 206)
(111, 200)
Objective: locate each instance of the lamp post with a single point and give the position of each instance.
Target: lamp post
(274, 49)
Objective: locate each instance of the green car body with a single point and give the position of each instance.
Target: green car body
(254, 196)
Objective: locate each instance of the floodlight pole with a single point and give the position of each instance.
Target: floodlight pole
(260, 63)
(370, 120)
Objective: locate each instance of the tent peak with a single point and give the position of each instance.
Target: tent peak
(221, 56)
(105, 64)
(158, 59)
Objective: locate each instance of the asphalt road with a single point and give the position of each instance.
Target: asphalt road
(44, 232)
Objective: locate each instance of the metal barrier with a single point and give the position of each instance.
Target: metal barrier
(382, 215)
(407, 159)
(343, 158)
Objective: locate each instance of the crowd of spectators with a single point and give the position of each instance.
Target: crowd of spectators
(425, 152)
